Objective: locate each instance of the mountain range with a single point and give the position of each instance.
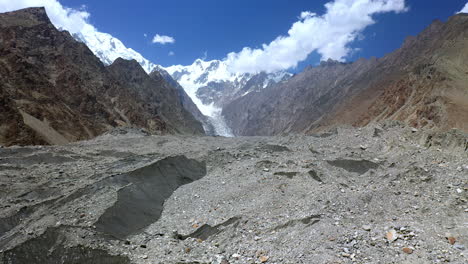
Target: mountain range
(58, 87)
(422, 83)
(137, 173)
(209, 84)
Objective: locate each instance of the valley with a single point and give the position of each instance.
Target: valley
(107, 157)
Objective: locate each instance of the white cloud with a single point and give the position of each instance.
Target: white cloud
(465, 9)
(145, 35)
(163, 39)
(329, 34)
(307, 14)
(171, 53)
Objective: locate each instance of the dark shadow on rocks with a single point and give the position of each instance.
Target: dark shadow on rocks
(140, 202)
(115, 154)
(315, 176)
(192, 262)
(289, 174)
(7, 167)
(9, 152)
(454, 140)
(273, 148)
(9, 222)
(50, 248)
(356, 166)
(378, 132)
(311, 149)
(307, 221)
(267, 164)
(47, 158)
(326, 134)
(206, 231)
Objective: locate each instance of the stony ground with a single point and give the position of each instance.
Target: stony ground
(380, 194)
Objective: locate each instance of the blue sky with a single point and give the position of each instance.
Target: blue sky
(219, 27)
(214, 28)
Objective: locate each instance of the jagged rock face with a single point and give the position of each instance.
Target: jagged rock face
(184, 98)
(293, 105)
(158, 96)
(423, 84)
(56, 91)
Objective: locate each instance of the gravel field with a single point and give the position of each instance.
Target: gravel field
(381, 194)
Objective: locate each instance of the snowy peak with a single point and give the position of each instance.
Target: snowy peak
(212, 84)
(202, 73)
(108, 49)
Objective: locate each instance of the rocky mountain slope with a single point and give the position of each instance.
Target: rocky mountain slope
(186, 100)
(166, 99)
(54, 90)
(381, 194)
(424, 83)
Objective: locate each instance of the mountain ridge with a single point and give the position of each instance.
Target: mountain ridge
(418, 83)
(55, 90)
(208, 85)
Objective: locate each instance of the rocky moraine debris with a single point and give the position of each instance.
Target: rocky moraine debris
(136, 198)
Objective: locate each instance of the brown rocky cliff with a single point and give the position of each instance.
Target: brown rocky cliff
(158, 97)
(57, 90)
(432, 91)
(424, 83)
(160, 75)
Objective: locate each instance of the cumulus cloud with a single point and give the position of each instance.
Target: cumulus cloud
(307, 14)
(329, 34)
(171, 53)
(465, 9)
(163, 39)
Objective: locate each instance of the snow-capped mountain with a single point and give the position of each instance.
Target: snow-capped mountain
(213, 85)
(209, 84)
(108, 49)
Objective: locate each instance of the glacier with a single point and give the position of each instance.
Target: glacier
(191, 77)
